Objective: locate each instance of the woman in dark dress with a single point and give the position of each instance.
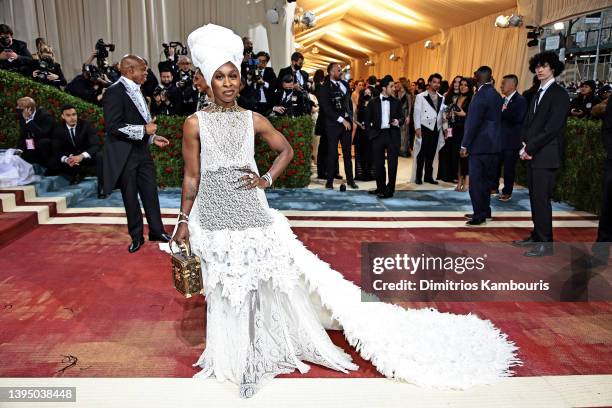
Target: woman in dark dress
(460, 108)
(447, 162)
(364, 160)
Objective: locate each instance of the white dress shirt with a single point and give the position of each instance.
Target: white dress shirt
(544, 88)
(385, 107)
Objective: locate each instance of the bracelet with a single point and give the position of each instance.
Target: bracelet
(184, 215)
(182, 221)
(268, 178)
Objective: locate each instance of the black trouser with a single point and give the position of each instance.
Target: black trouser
(604, 232)
(425, 158)
(42, 154)
(386, 141)
(322, 158)
(138, 178)
(541, 183)
(507, 159)
(95, 161)
(482, 171)
(337, 133)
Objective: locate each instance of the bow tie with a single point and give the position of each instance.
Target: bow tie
(385, 98)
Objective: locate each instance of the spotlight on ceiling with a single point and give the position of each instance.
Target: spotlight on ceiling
(559, 26)
(393, 57)
(430, 45)
(315, 50)
(369, 63)
(509, 21)
(307, 19)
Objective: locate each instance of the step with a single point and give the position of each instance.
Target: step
(14, 225)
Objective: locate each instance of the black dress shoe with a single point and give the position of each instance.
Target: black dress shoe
(431, 181)
(540, 249)
(374, 192)
(473, 222)
(418, 182)
(102, 196)
(135, 245)
(322, 177)
(329, 185)
(524, 242)
(160, 238)
(338, 177)
(470, 216)
(352, 185)
(384, 196)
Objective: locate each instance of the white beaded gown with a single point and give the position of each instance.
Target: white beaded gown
(269, 299)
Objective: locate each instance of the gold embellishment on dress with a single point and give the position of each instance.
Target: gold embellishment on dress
(214, 108)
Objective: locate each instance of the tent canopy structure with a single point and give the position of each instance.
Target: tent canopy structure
(356, 29)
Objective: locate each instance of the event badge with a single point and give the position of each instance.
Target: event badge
(30, 144)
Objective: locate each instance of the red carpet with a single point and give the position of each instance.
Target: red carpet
(73, 302)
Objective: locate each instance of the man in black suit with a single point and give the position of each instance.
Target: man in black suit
(335, 103)
(514, 110)
(263, 81)
(601, 249)
(36, 129)
(288, 101)
(130, 130)
(482, 143)
(76, 145)
(543, 143)
(295, 69)
(383, 118)
(14, 54)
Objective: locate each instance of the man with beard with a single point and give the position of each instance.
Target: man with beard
(295, 70)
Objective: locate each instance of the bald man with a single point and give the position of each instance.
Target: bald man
(128, 164)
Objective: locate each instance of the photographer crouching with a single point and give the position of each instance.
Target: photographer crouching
(289, 101)
(90, 85)
(167, 96)
(46, 70)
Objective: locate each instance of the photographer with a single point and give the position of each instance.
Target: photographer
(89, 85)
(46, 70)
(289, 101)
(14, 54)
(295, 69)
(166, 97)
(173, 51)
(184, 82)
(581, 106)
(263, 81)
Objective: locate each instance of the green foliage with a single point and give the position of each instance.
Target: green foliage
(169, 161)
(579, 181)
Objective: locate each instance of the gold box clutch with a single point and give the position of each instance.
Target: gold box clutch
(186, 271)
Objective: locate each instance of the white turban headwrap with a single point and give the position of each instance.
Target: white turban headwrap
(212, 46)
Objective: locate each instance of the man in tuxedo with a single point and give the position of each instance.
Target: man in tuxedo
(76, 145)
(543, 144)
(514, 110)
(263, 82)
(130, 130)
(36, 129)
(383, 118)
(428, 115)
(335, 103)
(295, 69)
(482, 144)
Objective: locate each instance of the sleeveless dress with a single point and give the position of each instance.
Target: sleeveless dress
(269, 299)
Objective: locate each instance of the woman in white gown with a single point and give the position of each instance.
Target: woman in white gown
(268, 298)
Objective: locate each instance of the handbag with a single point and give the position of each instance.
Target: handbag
(186, 271)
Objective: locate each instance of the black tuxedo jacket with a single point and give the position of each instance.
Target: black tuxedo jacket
(512, 122)
(606, 129)
(544, 129)
(120, 115)
(270, 77)
(85, 140)
(373, 117)
(327, 108)
(41, 127)
(22, 63)
(289, 70)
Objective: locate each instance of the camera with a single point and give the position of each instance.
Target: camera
(185, 78)
(92, 72)
(179, 48)
(159, 91)
(102, 50)
(43, 69)
(5, 43)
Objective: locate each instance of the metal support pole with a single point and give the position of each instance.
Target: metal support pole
(601, 20)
